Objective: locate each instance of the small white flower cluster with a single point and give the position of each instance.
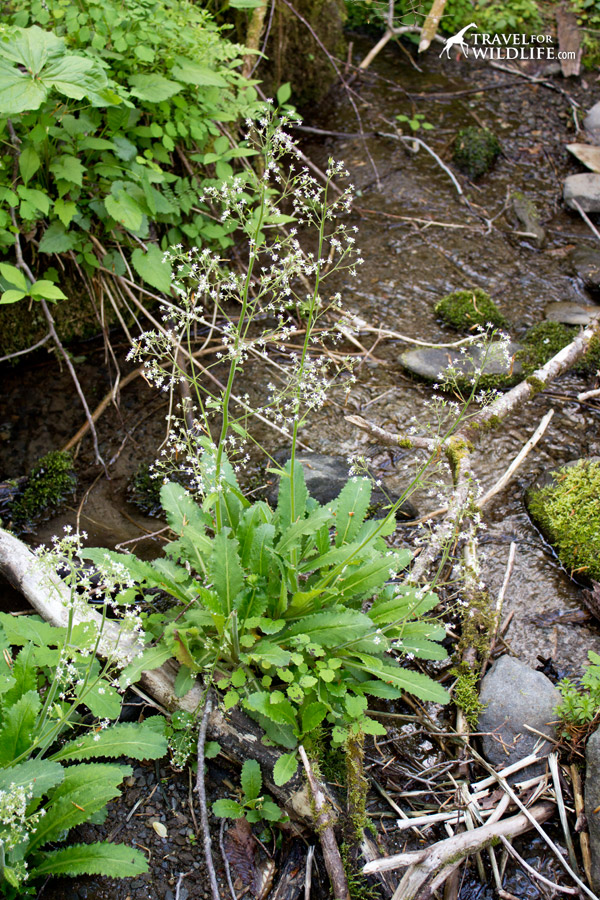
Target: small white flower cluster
(16, 824)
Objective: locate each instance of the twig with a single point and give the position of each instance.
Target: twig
(201, 791)
(587, 395)
(415, 140)
(523, 453)
(324, 825)
(584, 838)
(226, 861)
(531, 871)
(308, 877)
(553, 764)
(26, 350)
(586, 218)
(499, 603)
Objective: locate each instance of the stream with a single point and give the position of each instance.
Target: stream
(419, 241)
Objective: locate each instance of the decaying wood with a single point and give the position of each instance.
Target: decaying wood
(431, 24)
(238, 735)
(324, 820)
(569, 41)
(430, 867)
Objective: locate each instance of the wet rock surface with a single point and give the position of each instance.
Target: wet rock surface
(592, 801)
(431, 363)
(572, 313)
(516, 695)
(585, 263)
(583, 189)
(591, 123)
(528, 216)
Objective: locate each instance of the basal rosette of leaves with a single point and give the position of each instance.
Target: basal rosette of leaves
(113, 112)
(50, 682)
(276, 608)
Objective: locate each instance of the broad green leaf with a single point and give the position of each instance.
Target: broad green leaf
(14, 276)
(65, 210)
(245, 4)
(332, 628)
(281, 713)
(355, 705)
(351, 508)
(251, 779)
(193, 73)
(56, 239)
(152, 269)
(269, 653)
(291, 501)
(138, 740)
(18, 91)
(124, 209)
(416, 683)
(153, 88)
(225, 571)
(310, 525)
(21, 629)
(29, 163)
(112, 860)
(269, 811)
(124, 149)
(46, 289)
(68, 168)
(102, 700)
(25, 675)
(227, 809)
(260, 555)
(366, 579)
(12, 296)
(18, 727)
(148, 660)
(184, 681)
(372, 726)
(37, 775)
(285, 768)
(312, 716)
(284, 93)
(404, 603)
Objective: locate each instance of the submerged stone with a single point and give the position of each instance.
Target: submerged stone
(496, 369)
(475, 150)
(527, 213)
(464, 309)
(592, 800)
(583, 189)
(325, 476)
(567, 512)
(515, 696)
(572, 313)
(591, 123)
(585, 263)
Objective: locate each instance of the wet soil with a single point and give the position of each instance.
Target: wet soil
(420, 241)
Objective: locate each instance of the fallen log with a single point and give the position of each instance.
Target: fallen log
(240, 738)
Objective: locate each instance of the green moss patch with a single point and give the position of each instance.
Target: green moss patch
(567, 512)
(546, 339)
(475, 150)
(464, 309)
(47, 487)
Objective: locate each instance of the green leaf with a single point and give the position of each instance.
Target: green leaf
(372, 726)
(227, 809)
(16, 733)
(268, 652)
(68, 168)
(152, 269)
(355, 705)
(245, 4)
(281, 713)
(21, 629)
(65, 210)
(102, 700)
(351, 508)
(184, 681)
(153, 88)
(12, 296)
(29, 163)
(46, 289)
(310, 525)
(124, 209)
(56, 239)
(225, 571)
(284, 93)
(285, 768)
(270, 811)
(251, 779)
(138, 740)
(14, 276)
(37, 775)
(331, 628)
(193, 73)
(312, 716)
(416, 683)
(181, 510)
(112, 860)
(211, 749)
(291, 502)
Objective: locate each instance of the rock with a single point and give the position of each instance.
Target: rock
(583, 189)
(592, 801)
(586, 154)
(571, 313)
(430, 363)
(526, 212)
(591, 123)
(325, 477)
(516, 695)
(585, 263)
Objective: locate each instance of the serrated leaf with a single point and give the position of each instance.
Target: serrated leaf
(292, 496)
(152, 269)
(285, 768)
(332, 628)
(372, 726)
(224, 570)
(38, 775)
(138, 740)
(124, 209)
(309, 525)
(18, 726)
(102, 700)
(416, 683)
(68, 168)
(312, 716)
(251, 779)
(227, 809)
(193, 73)
(56, 239)
(181, 510)
(351, 508)
(153, 88)
(281, 713)
(268, 652)
(65, 210)
(356, 705)
(112, 860)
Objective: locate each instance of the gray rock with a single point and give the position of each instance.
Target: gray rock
(325, 477)
(583, 189)
(585, 263)
(571, 313)
(591, 123)
(526, 212)
(592, 801)
(429, 363)
(516, 695)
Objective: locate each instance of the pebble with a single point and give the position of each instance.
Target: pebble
(583, 189)
(571, 313)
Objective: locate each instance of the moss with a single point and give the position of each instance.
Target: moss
(536, 383)
(465, 694)
(567, 512)
(455, 452)
(463, 309)
(476, 627)
(406, 443)
(475, 150)
(357, 784)
(144, 491)
(545, 340)
(358, 884)
(490, 424)
(49, 484)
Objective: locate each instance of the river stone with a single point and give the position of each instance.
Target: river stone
(516, 695)
(592, 801)
(586, 154)
(591, 123)
(430, 363)
(585, 263)
(325, 476)
(527, 213)
(583, 189)
(571, 313)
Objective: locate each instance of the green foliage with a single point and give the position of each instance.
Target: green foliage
(49, 677)
(415, 122)
(475, 150)
(580, 703)
(252, 805)
(19, 287)
(272, 603)
(546, 339)
(466, 695)
(588, 18)
(50, 482)
(464, 309)
(144, 491)
(568, 513)
(117, 111)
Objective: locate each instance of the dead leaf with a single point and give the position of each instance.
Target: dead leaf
(240, 849)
